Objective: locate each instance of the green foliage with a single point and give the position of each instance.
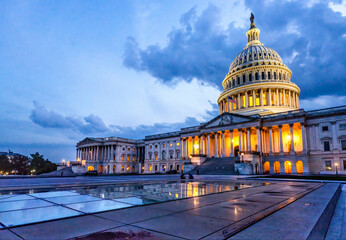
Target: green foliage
(39, 165)
(20, 164)
(5, 165)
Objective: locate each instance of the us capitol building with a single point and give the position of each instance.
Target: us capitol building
(260, 129)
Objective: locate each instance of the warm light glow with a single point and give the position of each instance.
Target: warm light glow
(336, 164)
(63, 160)
(232, 140)
(196, 146)
(242, 154)
(78, 160)
(176, 195)
(289, 163)
(288, 137)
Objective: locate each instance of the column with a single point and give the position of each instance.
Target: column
(261, 97)
(112, 152)
(304, 138)
(208, 144)
(193, 145)
(297, 100)
(239, 106)
(270, 141)
(187, 147)
(97, 153)
(258, 139)
(269, 102)
(284, 96)
(182, 148)
(280, 140)
(292, 139)
(277, 97)
(240, 141)
(246, 100)
(318, 141)
(334, 136)
(200, 147)
(248, 140)
(289, 99)
(254, 98)
(223, 144)
(215, 136)
(231, 142)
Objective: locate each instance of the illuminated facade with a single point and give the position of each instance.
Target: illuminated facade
(259, 124)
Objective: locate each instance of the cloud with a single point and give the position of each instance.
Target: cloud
(310, 37)
(50, 119)
(94, 126)
(323, 101)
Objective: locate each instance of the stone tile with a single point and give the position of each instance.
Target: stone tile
(23, 204)
(53, 194)
(136, 214)
(182, 205)
(98, 206)
(19, 217)
(134, 200)
(65, 228)
(16, 198)
(127, 232)
(184, 225)
(8, 235)
(72, 199)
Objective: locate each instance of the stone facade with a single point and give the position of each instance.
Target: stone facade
(260, 124)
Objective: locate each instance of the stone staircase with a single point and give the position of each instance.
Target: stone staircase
(216, 166)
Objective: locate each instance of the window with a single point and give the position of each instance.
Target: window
(256, 76)
(133, 158)
(150, 168)
(325, 129)
(155, 146)
(128, 149)
(128, 158)
(343, 144)
(178, 144)
(344, 165)
(328, 165)
(123, 148)
(250, 77)
(150, 155)
(274, 75)
(279, 76)
(178, 167)
(122, 158)
(150, 147)
(326, 146)
(128, 168)
(133, 168)
(163, 155)
(155, 168)
(155, 156)
(269, 76)
(171, 145)
(133, 149)
(263, 75)
(238, 80)
(342, 126)
(171, 155)
(178, 154)
(122, 168)
(163, 145)
(170, 167)
(243, 78)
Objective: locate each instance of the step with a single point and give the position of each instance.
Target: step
(305, 218)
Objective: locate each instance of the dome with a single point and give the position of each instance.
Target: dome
(254, 54)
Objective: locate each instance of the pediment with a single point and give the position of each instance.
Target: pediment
(227, 119)
(88, 140)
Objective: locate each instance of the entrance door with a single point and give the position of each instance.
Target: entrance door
(236, 151)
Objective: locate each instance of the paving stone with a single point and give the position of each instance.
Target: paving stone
(66, 228)
(7, 235)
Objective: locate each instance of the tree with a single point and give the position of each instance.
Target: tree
(5, 165)
(38, 165)
(20, 164)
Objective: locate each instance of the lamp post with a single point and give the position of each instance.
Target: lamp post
(336, 169)
(242, 157)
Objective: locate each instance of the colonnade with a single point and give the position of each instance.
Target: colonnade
(258, 98)
(96, 153)
(273, 140)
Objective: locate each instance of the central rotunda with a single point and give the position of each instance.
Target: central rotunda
(258, 82)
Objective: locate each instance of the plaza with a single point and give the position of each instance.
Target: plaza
(165, 207)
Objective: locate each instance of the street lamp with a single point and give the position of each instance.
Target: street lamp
(242, 157)
(336, 168)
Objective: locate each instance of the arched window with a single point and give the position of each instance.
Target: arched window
(90, 168)
(277, 167)
(299, 166)
(171, 155)
(113, 168)
(150, 155)
(100, 169)
(269, 76)
(250, 77)
(243, 78)
(274, 75)
(133, 168)
(163, 154)
(263, 76)
(266, 167)
(238, 80)
(288, 167)
(256, 76)
(279, 76)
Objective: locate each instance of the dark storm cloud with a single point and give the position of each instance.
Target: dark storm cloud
(199, 48)
(94, 126)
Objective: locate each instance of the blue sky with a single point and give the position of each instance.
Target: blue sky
(72, 69)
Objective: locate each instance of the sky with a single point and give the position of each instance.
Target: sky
(76, 69)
